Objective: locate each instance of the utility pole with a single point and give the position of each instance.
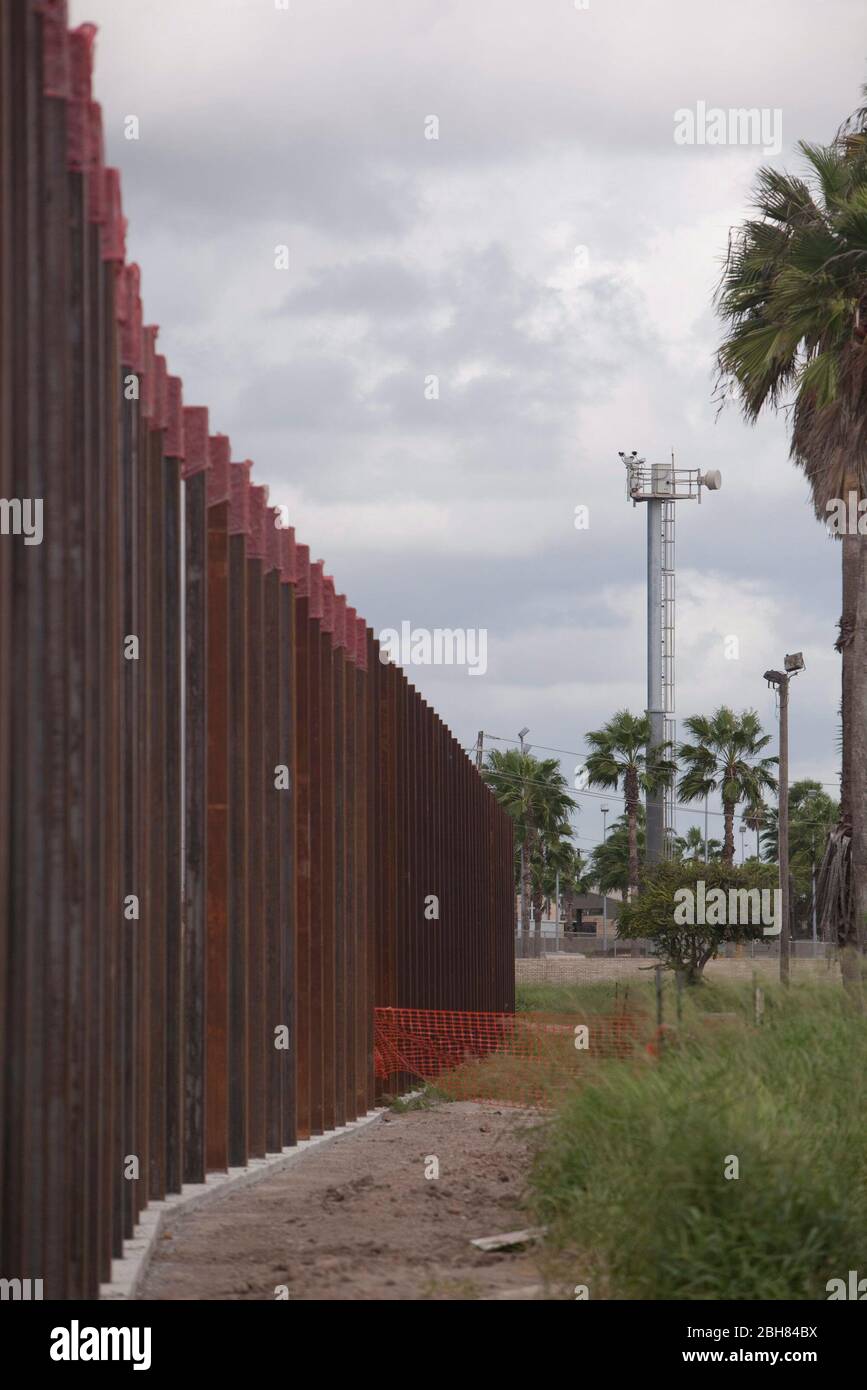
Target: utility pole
(480, 749)
(604, 810)
(780, 679)
(783, 824)
(813, 888)
(660, 485)
(524, 926)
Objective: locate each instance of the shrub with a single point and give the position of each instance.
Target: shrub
(726, 902)
(631, 1181)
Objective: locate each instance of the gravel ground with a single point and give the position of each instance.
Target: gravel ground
(358, 1219)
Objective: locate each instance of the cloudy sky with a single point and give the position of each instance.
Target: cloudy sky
(550, 258)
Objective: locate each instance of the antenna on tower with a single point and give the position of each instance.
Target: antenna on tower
(660, 485)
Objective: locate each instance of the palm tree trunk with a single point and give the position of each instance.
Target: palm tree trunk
(852, 789)
(728, 854)
(537, 913)
(856, 696)
(632, 825)
(525, 895)
(848, 619)
(568, 904)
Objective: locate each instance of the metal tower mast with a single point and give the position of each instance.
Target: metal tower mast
(669, 729)
(660, 485)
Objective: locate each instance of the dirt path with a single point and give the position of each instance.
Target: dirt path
(358, 1219)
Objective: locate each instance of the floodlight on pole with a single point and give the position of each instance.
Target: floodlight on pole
(660, 485)
(780, 680)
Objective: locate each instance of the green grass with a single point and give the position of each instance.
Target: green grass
(630, 1181)
(609, 997)
(603, 997)
(426, 1099)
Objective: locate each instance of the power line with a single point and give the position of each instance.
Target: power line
(689, 807)
(545, 749)
(576, 753)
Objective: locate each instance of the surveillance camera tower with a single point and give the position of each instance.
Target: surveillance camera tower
(660, 485)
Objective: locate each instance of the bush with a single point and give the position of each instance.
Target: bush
(688, 909)
(631, 1182)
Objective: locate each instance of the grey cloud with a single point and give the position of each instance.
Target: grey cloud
(556, 127)
(304, 394)
(379, 287)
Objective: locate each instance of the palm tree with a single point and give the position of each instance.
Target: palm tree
(619, 759)
(813, 815)
(535, 793)
(692, 846)
(564, 863)
(609, 861)
(725, 758)
(553, 851)
(754, 818)
(793, 296)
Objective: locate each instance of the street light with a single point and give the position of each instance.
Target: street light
(780, 679)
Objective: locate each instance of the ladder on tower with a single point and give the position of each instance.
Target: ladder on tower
(669, 725)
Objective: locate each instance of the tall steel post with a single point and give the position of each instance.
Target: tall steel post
(604, 894)
(793, 663)
(524, 925)
(660, 486)
(655, 827)
(783, 829)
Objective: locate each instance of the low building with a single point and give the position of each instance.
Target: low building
(585, 930)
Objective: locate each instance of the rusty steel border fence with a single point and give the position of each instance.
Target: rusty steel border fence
(221, 815)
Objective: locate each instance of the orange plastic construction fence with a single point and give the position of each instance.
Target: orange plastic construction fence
(509, 1059)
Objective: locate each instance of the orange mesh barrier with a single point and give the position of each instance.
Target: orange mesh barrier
(508, 1059)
